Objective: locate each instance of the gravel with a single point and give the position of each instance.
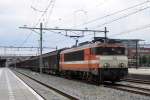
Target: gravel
(45, 92)
(84, 91)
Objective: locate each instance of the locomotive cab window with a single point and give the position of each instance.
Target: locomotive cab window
(74, 56)
(108, 50)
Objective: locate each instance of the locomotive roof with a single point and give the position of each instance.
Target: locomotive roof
(91, 45)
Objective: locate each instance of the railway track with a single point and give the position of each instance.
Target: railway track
(137, 81)
(118, 86)
(130, 88)
(52, 88)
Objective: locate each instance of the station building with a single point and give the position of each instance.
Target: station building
(138, 54)
(143, 56)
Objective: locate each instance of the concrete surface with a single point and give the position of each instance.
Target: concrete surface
(13, 88)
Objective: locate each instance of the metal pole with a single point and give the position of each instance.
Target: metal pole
(105, 35)
(41, 39)
(76, 42)
(136, 54)
(94, 35)
(15, 63)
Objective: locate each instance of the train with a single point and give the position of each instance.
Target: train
(94, 61)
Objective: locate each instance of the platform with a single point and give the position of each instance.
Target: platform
(13, 88)
(140, 71)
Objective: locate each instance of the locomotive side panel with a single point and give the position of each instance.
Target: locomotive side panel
(80, 60)
(73, 61)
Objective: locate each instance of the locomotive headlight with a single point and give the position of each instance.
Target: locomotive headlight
(106, 65)
(121, 65)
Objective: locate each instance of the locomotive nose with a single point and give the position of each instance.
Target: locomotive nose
(122, 65)
(113, 61)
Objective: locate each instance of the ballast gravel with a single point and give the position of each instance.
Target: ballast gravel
(83, 91)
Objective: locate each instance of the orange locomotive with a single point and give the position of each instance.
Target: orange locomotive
(95, 61)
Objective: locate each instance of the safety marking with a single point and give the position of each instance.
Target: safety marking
(29, 88)
(10, 92)
(82, 62)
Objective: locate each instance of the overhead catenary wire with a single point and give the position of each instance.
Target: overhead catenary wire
(36, 9)
(124, 16)
(128, 31)
(45, 11)
(50, 4)
(114, 13)
(132, 30)
(28, 36)
(61, 34)
(50, 12)
(26, 39)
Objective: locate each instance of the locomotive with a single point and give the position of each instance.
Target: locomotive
(94, 61)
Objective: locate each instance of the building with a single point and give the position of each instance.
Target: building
(143, 56)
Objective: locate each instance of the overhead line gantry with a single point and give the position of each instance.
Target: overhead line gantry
(66, 31)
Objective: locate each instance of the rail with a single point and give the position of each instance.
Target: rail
(129, 88)
(50, 87)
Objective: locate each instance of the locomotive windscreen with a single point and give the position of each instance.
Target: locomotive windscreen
(108, 50)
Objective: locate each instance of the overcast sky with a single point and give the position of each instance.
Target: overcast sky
(70, 14)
